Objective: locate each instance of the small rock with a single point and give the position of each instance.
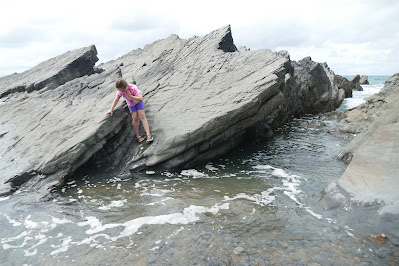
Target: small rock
(151, 260)
(238, 250)
(380, 239)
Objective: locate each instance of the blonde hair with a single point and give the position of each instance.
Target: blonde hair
(121, 83)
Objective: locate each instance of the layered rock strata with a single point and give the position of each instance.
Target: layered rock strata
(203, 96)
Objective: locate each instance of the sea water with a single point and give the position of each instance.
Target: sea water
(376, 83)
(256, 205)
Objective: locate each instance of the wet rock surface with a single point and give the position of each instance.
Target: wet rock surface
(372, 176)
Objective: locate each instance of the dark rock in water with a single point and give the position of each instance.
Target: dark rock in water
(344, 84)
(364, 80)
(315, 88)
(202, 97)
(356, 81)
(373, 174)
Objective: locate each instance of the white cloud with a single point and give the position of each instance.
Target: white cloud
(352, 37)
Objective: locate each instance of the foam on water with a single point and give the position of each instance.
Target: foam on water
(4, 198)
(263, 199)
(113, 204)
(36, 237)
(194, 173)
(290, 184)
(359, 97)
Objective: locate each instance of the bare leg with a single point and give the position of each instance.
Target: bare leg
(143, 119)
(135, 121)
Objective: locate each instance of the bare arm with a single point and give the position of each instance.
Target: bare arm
(111, 111)
(138, 98)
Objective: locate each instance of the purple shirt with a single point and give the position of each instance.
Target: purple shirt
(134, 91)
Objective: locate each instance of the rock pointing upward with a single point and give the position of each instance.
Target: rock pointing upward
(203, 96)
(52, 73)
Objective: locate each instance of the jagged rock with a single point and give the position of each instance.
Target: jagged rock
(373, 174)
(316, 92)
(53, 132)
(202, 97)
(364, 80)
(344, 84)
(356, 81)
(51, 73)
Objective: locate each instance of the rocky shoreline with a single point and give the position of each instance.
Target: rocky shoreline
(371, 179)
(203, 96)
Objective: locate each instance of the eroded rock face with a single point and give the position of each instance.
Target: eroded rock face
(372, 175)
(202, 95)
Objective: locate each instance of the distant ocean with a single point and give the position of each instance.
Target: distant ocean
(376, 83)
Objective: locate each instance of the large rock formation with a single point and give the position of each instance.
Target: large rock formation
(372, 176)
(202, 96)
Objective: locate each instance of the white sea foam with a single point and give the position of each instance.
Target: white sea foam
(30, 224)
(359, 97)
(64, 246)
(210, 167)
(189, 215)
(113, 204)
(263, 167)
(11, 221)
(26, 239)
(60, 221)
(155, 192)
(95, 225)
(348, 231)
(4, 198)
(318, 216)
(32, 250)
(168, 174)
(263, 199)
(10, 239)
(290, 183)
(193, 173)
(159, 202)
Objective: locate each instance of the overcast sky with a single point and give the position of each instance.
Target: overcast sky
(353, 37)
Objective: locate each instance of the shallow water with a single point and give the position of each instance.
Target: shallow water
(254, 206)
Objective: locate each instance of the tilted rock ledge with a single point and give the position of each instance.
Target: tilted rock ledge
(371, 179)
(203, 96)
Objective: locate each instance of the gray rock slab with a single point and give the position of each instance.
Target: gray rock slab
(373, 155)
(46, 132)
(51, 73)
(202, 97)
